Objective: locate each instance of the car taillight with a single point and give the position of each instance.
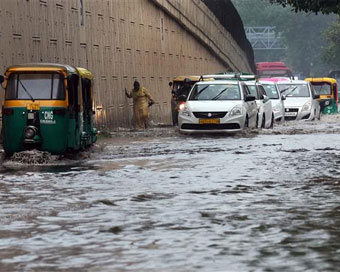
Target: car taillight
(6, 111)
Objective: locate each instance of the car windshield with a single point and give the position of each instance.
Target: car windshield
(44, 86)
(215, 92)
(294, 90)
(271, 91)
(253, 91)
(322, 89)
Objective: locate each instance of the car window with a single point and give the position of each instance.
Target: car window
(262, 92)
(245, 90)
(253, 91)
(215, 92)
(294, 90)
(271, 91)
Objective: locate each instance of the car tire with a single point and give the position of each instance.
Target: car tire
(257, 120)
(263, 123)
(272, 122)
(246, 122)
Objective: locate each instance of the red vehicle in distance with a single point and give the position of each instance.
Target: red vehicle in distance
(273, 69)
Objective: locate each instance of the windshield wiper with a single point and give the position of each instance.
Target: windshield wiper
(221, 92)
(22, 85)
(290, 91)
(200, 92)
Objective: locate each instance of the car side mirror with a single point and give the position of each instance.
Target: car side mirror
(182, 98)
(283, 98)
(316, 96)
(250, 98)
(170, 83)
(2, 79)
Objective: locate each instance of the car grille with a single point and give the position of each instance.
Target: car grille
(205, 115)
(210, 126)
(291, 118)
(291, 110)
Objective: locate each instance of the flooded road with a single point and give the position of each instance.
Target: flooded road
(261, 201)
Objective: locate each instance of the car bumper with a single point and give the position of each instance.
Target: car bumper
(298, 114)
(227, 125)
(278, 115)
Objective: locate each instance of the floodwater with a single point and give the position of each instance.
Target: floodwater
(159, 201)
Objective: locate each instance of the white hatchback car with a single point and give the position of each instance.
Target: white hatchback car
(301, 100)
(218, 106)
(277, 99)
(264, 104)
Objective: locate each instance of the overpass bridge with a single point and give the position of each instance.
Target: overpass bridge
(120, 41)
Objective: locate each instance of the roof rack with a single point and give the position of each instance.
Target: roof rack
(238, 76)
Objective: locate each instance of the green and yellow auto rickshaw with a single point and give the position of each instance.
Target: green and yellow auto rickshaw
(48, 107)
(328, 90)
(180, 88)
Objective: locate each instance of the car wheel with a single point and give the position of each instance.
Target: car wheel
(263, 124)
(246, 122)
(272, 122)
(319, 117)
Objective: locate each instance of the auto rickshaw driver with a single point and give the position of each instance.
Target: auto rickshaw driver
(180, 89)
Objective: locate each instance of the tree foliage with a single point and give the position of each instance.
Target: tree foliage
(316, 6)
(331, 52)
(301, 33)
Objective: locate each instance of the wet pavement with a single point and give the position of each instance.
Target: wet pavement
(267, 200)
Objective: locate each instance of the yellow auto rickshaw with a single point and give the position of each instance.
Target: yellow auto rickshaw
(48, 107)
(180, 88)
(328, 90)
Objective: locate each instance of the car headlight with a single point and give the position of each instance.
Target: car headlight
(307, 106)
(237, 110)
(184, 110)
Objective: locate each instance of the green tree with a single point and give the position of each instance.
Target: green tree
(331, 53)
(301, 34)
(323, 6)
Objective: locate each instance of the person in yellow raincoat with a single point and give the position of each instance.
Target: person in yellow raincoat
(141, 102)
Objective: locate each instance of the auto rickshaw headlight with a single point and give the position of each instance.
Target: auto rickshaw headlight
(30, 132)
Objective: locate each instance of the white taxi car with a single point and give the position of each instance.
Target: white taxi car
(218, 106)
(301, 100)
(277, 99)
(264, 104)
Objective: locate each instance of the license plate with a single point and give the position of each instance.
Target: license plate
(33, 106)
(290, 113)
(209, 121)
(30, 116)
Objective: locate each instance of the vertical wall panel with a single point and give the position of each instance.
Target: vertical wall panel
(119, 41)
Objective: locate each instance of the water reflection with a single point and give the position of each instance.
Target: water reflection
(263, 203)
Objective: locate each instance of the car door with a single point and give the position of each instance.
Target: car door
(267, 104)
(252, 107)
(315, 102)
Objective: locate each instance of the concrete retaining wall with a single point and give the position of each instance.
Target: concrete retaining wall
(119, 41)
